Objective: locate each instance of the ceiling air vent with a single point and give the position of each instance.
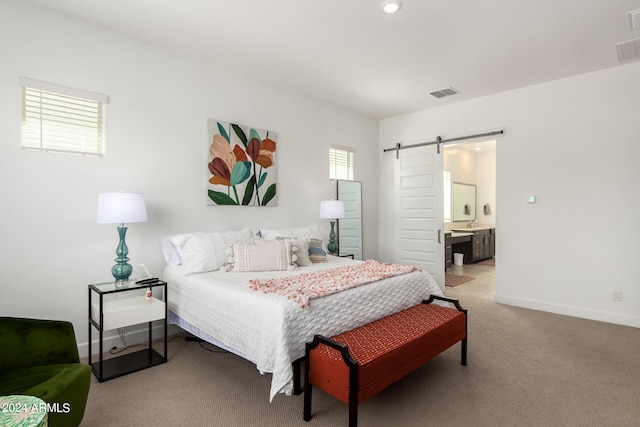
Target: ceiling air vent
(629, 50)
(444, 92)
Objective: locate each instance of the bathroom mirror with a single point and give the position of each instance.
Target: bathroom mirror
(350, 227)
(464, 202)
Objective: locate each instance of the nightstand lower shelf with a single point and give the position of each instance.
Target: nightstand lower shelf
(127, 363)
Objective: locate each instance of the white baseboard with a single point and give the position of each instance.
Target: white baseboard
(569, 310)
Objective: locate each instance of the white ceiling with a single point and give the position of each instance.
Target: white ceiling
(349, 53)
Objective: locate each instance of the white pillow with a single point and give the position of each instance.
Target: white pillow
(312, 232)
(202, 252)
(172, 254)
(271, 256)
(170, 245)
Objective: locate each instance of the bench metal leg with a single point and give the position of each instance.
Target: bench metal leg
(353, 414)
(464, 340)
(354, 381)
(463, 362)
(306, 415)
(297, 386)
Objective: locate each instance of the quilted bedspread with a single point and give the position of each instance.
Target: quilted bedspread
(271, 331)
(300, 288)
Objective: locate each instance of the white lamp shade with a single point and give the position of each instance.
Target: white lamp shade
(120, 208)
(331, 209)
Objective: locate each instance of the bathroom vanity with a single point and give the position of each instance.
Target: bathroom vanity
(476, 243)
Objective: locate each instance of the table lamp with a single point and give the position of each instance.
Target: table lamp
(121, 208)
(332, 209)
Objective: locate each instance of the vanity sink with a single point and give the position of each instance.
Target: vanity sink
(472, 229)
(460, 234)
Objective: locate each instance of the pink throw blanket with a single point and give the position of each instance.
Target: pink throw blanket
(302, 287)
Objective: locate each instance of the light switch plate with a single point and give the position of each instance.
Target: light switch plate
(531, 199)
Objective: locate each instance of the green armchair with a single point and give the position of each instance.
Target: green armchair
(40, 358)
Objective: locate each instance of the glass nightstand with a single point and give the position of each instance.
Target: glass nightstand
(125, 309)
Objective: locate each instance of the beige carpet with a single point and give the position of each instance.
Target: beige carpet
(526, 368)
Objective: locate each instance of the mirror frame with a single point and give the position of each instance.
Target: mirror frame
(353, 213)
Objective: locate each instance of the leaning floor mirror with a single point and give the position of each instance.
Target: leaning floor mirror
(350, 227)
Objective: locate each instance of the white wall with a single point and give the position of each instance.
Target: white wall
(462, 163)
(486, 181)
(478, 168)
(156, 131)
(575, 144)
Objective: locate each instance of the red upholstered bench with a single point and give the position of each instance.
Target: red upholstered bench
(358, 364)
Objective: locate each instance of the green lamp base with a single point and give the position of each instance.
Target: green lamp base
(332, 246)
(122, 270)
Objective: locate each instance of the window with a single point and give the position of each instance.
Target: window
(341, 163)
(62, 119)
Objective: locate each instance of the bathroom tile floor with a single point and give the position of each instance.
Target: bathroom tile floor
(483, 286)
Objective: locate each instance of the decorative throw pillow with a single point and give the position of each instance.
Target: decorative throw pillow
(316, 253)
(302, 234)
(302, 249)
(202, 252)
(272, 256)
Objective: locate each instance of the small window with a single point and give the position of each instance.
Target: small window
(341, 163)
(62, 119)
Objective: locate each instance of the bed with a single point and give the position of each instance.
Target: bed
(268, 329)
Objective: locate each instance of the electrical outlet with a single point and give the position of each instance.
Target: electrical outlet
(616, 295)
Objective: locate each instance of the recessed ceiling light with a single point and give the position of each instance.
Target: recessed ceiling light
(391, 6)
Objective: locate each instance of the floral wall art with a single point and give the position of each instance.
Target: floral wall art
(242, 165)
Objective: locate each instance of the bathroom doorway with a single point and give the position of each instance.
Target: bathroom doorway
(471, 165)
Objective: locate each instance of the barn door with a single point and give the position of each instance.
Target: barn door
(419, 209)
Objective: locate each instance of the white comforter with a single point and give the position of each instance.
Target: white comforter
(270, 330)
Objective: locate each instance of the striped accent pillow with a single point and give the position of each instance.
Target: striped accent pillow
(272, 256)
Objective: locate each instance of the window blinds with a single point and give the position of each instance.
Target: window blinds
(340, 164)
(61, 119)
